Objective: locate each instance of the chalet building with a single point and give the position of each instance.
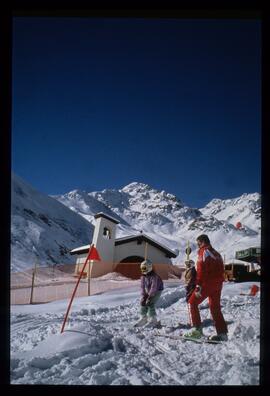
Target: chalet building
(122, 255)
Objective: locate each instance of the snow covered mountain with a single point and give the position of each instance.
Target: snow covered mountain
(245, 209)
(166, 218)
(48, 227)
(86, 205)
(42, 229)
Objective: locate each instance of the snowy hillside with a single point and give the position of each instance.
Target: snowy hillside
(165, 218)
(142, 205)
(86, 205)
(57, 224)
(100, 347)
(245, 209)
(42, 229)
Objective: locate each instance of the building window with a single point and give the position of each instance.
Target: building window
(106, 233)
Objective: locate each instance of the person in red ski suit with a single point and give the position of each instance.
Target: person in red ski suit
(209, 280)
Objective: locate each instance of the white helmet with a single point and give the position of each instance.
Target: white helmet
(146, 267)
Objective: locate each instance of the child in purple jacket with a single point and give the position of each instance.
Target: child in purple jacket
(151, 289)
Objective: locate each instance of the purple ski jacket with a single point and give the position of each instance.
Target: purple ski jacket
(151, 284)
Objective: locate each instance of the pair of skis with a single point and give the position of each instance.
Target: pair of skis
(202, 340)
(181, 337)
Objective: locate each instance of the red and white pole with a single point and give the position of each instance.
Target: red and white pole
(92, 254)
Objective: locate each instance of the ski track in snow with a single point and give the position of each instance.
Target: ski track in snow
(100, 347)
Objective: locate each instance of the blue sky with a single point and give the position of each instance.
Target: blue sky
(100, 103)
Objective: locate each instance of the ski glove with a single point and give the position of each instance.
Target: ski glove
(143, 300)
(198, 291)
(148, 300)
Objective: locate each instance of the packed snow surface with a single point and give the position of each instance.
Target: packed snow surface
(100, 346)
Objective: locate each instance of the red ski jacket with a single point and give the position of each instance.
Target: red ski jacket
(210, 268)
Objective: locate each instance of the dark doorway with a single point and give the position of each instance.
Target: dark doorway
(130, 267)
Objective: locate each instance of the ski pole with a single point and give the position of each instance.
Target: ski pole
(188, 251)
(189, 315)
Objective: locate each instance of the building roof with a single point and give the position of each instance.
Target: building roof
(250, 255)
(145, 238)
(120, 241)
(80, 250)
(101, 214)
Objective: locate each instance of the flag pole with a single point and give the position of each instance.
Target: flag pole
(89, 277)
(91, 263)
(75, 289)
(33, 282)
(91, 267)
(145, 250)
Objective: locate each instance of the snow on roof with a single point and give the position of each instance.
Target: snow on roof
(126, 239)
(101, 214)
(80, 249)
(146, 238)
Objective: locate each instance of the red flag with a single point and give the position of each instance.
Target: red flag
(93, 254)
(254, 289)
(238, 225)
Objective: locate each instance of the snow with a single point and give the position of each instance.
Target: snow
(55, 225)
(113, 276)
(245, 209)
(100, 347)
(43, 229)
(167, 220)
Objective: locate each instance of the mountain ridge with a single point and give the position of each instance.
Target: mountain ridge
(56, 224)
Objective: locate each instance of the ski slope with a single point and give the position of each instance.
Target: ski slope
(100, 347)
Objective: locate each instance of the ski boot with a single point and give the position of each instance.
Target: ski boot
(218, 337)
(141, 322)
(153, 323)
(195, 333)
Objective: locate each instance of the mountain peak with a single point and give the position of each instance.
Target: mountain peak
(136, 186)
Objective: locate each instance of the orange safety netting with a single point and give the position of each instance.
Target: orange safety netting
(57, 282)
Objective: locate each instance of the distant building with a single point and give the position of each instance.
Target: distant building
(122, 255)
(250, 255)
